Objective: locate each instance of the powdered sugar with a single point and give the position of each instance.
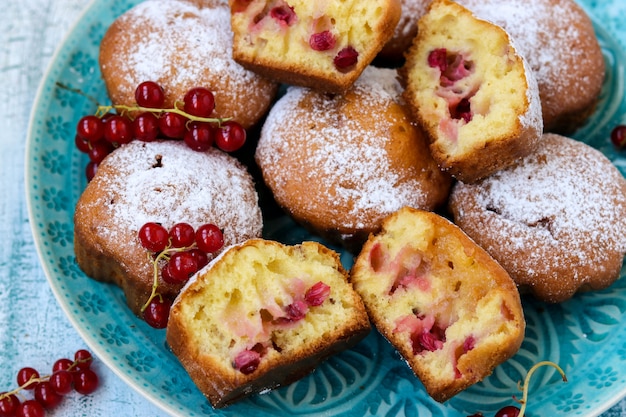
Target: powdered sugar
(345, 157)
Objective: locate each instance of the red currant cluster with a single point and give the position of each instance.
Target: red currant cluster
(98, 135)
(618, 136)
(185, 251)
(48, 391)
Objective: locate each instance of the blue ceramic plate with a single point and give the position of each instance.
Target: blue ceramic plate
(585, 335)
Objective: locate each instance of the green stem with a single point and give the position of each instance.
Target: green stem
(532, 370)
(102, 110)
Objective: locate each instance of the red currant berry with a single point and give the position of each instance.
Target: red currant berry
(199, 137)
(199, 102)
(118, 129)
(157, 312)
(182, 265)
(508, 411)
(618, 136)
(153, 236)
(82, 144)
(46, 395)
(90, 170)
(90, 128)
(322, 41)
(230, 137)
(25, 377)
(8, 405)
(99, 151)
(61, 381)
(182, 235)
(63, 364)
(209, 238)
(166, 275)
(85, 381)
(201, 257)
(149, 94)
(173, 125)
(30, 408)
(346, 58)
(146, 127)
(83, 359)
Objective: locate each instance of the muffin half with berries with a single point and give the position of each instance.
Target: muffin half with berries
(155, 186)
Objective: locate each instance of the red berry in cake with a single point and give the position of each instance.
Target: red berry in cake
(30, 408)
(153, 236)
(284, 14)
(209, 238)
(462, 111)
(199, 136)
(85, 381)
(173, 125)
(181, 266)
(438, 58)
(146, 127)
(149, 94)
(247, 361)
(296, 310)
(230, 136)
(90, 128)
(182, 235)
(508, 411)
(346, 58)
(317, 294)
(618, 136)
(157, 312)
(118, 129)
(322, 41)
(8, 404)
(199, 102)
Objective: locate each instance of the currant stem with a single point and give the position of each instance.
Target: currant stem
(102, 110)
(531, 371)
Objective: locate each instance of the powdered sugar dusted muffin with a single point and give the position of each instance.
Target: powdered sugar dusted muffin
(180, 45)
(449, 308)
(263, 315)
(163, 182)
(475, 96)
(558, 40)
(323, 45)
(394, 50)
(339, 164)
(556, 221)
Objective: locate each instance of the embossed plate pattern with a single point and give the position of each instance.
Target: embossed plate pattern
(585, 335)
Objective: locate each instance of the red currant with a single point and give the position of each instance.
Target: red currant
(99, 151)
(322, 41)
(8, 405)
(201, 257)
(199, 137)
(166, 275)
(153, 236)
(30, 408)
(157, 312)
(150, 94)
(82, 144)
(61, 381)
(90, 170)
(90, 128)
(182, 235)
(46, 395)
(85, 381)
(173, 125)
(209, 238)
(25, 375)
(508, 411)
(63, 364)
(146, 127)
(618, 136)
(199, 102)
(346, 58)
(118, 129)
(182, 265)
(230, 137)
(83, 359)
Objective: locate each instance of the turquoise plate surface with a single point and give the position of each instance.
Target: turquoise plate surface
(585, 335)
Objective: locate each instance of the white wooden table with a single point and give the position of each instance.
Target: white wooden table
(33, 329)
